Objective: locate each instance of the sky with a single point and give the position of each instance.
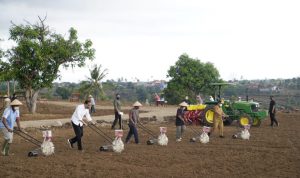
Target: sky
(141, 39)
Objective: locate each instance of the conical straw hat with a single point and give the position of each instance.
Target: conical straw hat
(16, 103)
(183, 104)
(137, 104)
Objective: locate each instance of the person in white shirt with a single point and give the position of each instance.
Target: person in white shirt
(9, 118)
(80, 112)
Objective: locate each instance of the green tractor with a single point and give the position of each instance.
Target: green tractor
(245, 112)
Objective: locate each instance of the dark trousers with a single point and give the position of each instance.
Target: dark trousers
(93, 110)
(79, 133)
(132, 130)
(273, 119)
(117, 117)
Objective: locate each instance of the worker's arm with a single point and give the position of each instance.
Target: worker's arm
(5, 124)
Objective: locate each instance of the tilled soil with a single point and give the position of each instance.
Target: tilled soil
(270, 152)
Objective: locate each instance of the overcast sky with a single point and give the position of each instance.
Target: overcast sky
(255, 39)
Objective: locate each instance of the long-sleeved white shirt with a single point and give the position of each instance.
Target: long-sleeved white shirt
(79, 113)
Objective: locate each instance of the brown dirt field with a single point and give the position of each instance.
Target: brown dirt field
(48, 110)
(270, 152)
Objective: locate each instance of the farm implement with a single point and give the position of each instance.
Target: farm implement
(245, 112)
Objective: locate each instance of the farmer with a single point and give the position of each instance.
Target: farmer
(186, 100)
(9, 117)
(218, 121)
(199, 99)
(157, 99)
(81, 111)
(118, 112)
(93, 110)
(6, 101)
(272, 111)
(180, 127)
(133, 121)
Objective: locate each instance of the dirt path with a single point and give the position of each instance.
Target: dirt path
(150, 112)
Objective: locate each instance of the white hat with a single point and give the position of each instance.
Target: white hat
(16, 103)
(183, 104)
(5, 96)
(90, 96)
(137, 104)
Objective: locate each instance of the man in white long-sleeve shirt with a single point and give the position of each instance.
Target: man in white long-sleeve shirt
(80, 112)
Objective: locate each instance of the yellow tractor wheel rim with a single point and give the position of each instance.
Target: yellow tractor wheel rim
(209, 115)
(244, 121)
(255, 121)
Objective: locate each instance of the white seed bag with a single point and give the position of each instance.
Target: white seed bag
(47, 148)
(245, 135)
(118, 145)
(163, 139)
(204, 138)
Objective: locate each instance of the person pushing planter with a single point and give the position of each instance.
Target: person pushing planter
(9, 117)
(80, 112)
(133, 121)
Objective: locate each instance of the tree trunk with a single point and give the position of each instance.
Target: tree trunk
(8, 88)
(31, 99)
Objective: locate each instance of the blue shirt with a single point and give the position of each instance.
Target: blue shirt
(10, 117)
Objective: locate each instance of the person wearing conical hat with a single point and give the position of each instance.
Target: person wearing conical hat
(6, 102)
(133, 121)
(9, 117)
(179, 122)
(218, 121)
(93, 107)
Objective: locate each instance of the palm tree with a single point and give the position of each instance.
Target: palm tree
(93, 84)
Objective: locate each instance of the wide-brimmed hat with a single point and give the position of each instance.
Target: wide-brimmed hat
(16, 103)
(221, 101)
(138, 104)
(5, 96)
(90, 96)
(183, 104)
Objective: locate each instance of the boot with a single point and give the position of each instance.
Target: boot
(7, 149)
(4, 147)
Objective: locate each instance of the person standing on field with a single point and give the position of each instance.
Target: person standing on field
(179, 122)
(272, 111)
(118, 112)
(93, 104)
(218, 121)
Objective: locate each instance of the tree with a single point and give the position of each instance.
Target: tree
(190, 77)
(93, 84)
(38, 54)
(64, 92)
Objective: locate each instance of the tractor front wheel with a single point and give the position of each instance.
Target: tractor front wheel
(256, 122)
(209, 117)
(245, 120)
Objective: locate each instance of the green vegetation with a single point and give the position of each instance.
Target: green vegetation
(189, 77)
(39, 52)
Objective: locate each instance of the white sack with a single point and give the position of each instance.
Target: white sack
(47, 148)
(204, 138)
(163, 139)
(118, 145)
(245, 135)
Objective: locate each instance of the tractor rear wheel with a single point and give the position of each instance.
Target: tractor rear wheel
(245, 120)
(256, 122)
(209, 117)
